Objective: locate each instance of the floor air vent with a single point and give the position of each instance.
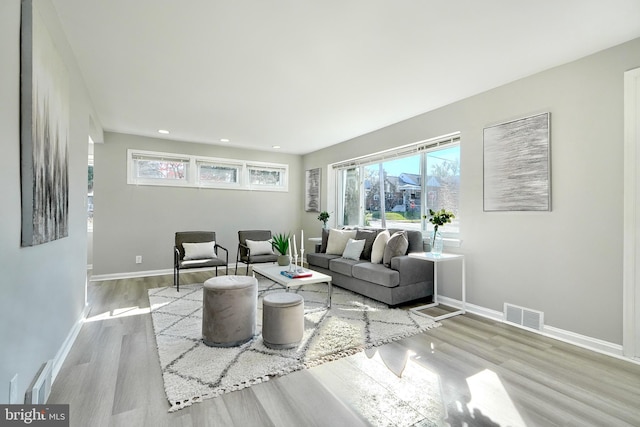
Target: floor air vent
(521, 316)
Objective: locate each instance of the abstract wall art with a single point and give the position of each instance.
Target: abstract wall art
(312, 190)
(44, 133)
(517, 170)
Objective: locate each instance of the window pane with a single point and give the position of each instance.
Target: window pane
(443, 184)
(351, 191)
(372, 198)
(214, 174)
(270, 177)
(403, 186)
(161, 169)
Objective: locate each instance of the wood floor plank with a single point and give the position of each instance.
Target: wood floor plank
(479, 372)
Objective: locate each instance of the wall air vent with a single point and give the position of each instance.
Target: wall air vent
(521, 316)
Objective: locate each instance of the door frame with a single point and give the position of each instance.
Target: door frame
(631, 224)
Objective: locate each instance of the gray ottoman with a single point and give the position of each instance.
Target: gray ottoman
(282, 320)
(229, 310)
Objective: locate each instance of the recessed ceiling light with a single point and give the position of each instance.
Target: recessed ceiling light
(163, 131)
(276, 147)
(224, 140)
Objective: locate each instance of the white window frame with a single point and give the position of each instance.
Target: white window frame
(132, 168)
(421, 147)
(192, 179)
(225, 163)
(270, 167)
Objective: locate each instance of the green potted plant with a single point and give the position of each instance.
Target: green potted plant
(324, 217)
(438, 219)
(280, 242)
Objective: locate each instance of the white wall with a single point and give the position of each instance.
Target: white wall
(43, 287)
(132, 220)
(567, 262)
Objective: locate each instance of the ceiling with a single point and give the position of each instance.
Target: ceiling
(307, 74)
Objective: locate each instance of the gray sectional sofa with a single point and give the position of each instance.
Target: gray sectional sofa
(406, 279)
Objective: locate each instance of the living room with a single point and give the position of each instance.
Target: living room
(566, 262)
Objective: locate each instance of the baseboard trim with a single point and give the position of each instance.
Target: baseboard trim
(148, 273)
(589, 343)
(64, 350)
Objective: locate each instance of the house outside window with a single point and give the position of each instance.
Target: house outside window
(396, 188)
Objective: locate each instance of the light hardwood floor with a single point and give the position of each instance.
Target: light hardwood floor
(470, 371)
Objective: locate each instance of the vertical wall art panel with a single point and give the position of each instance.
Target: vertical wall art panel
(517, 171)
(312, 190)
(44, 133)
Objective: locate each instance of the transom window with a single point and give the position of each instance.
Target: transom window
(167, 169)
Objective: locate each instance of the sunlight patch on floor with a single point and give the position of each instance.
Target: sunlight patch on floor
(490, 399)
(118, 313)
(388, 387)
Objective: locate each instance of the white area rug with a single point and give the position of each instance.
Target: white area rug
(192, 371)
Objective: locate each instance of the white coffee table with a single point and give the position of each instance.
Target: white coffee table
(437, 259)
(273, 272)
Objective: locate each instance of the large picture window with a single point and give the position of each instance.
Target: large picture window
(394, 189)
(167, 169)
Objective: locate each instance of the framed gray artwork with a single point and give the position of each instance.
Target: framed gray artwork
(517, 169)
(44, 133)
(312, 190)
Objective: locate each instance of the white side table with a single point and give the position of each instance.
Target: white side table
(317, 242)
(437, 259)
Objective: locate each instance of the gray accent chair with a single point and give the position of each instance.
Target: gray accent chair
(179, 263)
(244, 254)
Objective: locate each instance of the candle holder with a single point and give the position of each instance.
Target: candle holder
(293, 266)
(301, 270)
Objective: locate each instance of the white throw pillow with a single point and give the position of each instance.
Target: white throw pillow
(260, 247)
(203, 250)
(338, 240)
(377, 252)
(354, 249)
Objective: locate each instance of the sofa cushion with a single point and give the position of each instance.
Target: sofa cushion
(320, 260)
(376, 273)
(415, 239)
(377, 252)
(338, 240)
(369, 236)
(344, 265)
(353, 250)
(396, 246)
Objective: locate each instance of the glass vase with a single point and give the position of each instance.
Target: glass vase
(436, 243)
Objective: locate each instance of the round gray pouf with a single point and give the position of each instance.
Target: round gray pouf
(229, 310)
(282, 320)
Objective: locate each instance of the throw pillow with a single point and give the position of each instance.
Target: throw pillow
(204, 250)
(325, 239)
(369, 237)
(377, 251)
(353, 249)
(396, 246)
(338, 240)
(260, 247)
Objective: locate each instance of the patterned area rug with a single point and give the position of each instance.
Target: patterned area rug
(192, 371)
